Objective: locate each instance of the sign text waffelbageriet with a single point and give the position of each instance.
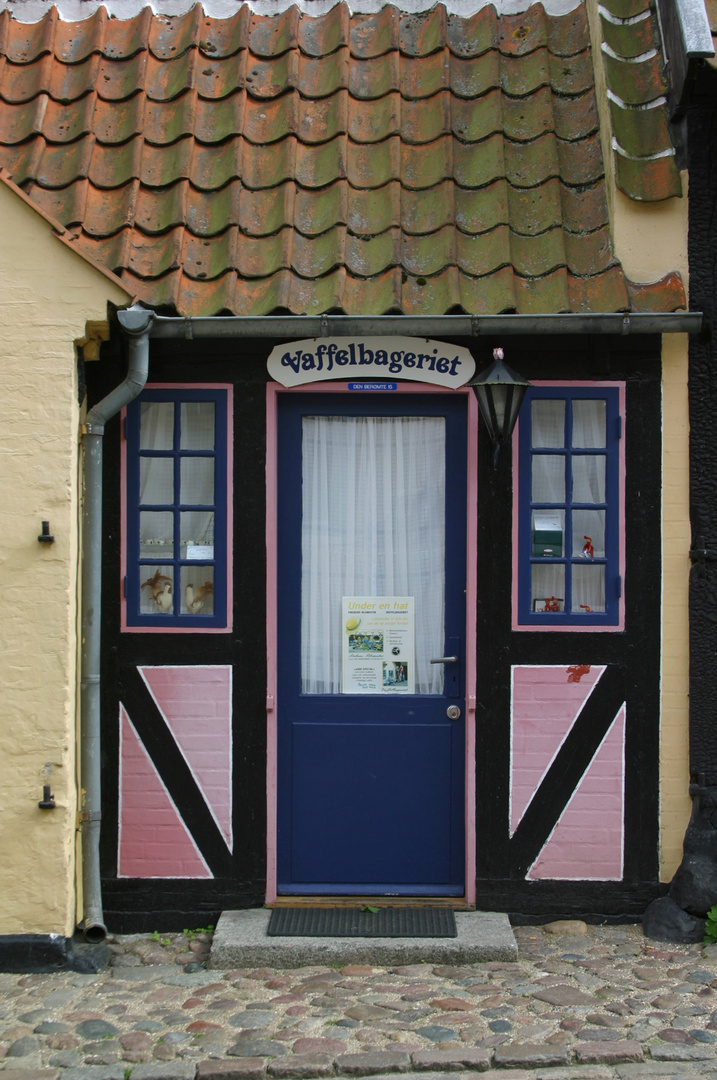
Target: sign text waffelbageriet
(372, 358)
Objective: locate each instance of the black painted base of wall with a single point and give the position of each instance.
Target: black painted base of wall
(25, 953)
(526, 902)
(536, 902)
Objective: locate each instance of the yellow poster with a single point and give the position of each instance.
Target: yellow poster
(378, 645)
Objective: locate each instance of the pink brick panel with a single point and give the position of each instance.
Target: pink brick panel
(154, 842)
(196, 703)
(545, 703)
(587, 842)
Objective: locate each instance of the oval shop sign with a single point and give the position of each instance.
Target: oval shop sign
(372, 358)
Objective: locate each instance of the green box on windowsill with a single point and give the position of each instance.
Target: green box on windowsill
(547, 536)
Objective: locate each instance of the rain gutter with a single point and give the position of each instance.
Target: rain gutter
(289, 326)
(136, 323)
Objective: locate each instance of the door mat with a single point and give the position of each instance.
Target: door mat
(388, 922)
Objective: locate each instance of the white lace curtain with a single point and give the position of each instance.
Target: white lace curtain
(373, 509)
(156, 481)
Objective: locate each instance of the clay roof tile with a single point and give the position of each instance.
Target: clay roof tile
(366, 163)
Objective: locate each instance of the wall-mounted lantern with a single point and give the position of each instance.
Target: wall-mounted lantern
(500, 392)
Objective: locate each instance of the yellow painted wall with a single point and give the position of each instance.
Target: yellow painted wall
(47, 294)
(650, 239)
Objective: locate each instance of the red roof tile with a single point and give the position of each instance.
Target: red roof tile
(360, 163)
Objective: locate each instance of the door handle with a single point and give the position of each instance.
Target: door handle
(445, 660)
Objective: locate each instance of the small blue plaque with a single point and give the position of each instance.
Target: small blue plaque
(373, 386)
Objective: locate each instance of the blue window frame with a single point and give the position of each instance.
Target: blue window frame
(569, 510)
(176, 514)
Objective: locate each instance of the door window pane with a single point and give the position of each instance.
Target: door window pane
(373, 501)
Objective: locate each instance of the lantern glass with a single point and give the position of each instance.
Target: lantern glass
(500, 392)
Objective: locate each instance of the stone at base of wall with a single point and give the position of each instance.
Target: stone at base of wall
(665, 920)
(50, 952)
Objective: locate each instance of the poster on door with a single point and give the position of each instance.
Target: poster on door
(378, 645)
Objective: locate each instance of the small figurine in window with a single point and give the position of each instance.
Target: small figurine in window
(196, 598)
(551, 604)
(588, 549)
(160, 589)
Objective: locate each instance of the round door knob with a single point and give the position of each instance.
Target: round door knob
(453, 712)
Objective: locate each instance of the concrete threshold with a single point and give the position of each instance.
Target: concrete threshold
(241, 940)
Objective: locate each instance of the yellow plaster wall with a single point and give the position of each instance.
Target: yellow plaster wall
(675, 803)
(47, 294)
(650, 239)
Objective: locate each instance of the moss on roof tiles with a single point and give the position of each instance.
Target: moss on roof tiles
(649, 180)
(368, 163)
(645, 167)
(640, 132)
(626, 9)
(629, 39)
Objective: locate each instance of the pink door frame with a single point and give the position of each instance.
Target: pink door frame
(273, 390)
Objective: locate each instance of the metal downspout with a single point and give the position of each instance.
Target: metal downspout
(136, 323)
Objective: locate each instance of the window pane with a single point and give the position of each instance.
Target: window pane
(548, 532)
(548, 419)
(197, 481)
(548, 588)
(156, 481)
(589, 532)
(548, 478)
(156, 430)
(197, 583)
(588, 588)
(156, 534)
(196, 531)
(588, 478)
(589, 423)
(156, 594)
(197, 425)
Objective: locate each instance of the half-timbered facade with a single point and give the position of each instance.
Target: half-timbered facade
(344, 648)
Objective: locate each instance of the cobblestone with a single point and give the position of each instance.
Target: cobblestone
(598, 1003)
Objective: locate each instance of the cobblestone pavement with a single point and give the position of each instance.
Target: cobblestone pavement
(598, 1003)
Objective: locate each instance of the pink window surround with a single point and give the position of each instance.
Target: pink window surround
(571, 629)
(125, 629)
(273, 390)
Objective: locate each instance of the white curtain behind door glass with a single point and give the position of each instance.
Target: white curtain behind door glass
(373, 508)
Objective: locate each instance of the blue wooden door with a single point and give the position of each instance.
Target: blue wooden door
(372, 503)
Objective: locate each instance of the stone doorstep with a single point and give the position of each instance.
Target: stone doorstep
(241, 940)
